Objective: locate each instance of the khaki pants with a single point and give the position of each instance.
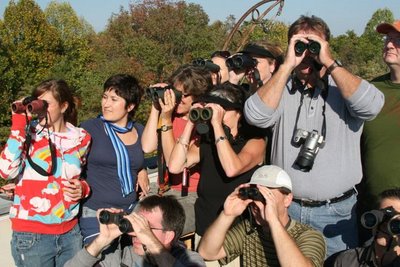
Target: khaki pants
(234, 263)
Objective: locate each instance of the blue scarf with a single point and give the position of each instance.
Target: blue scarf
(123, 164)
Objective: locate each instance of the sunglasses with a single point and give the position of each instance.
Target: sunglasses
(224, 54)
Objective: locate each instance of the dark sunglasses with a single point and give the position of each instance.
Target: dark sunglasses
(224, 54)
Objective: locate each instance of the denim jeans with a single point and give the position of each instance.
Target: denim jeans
(337, 222)
(43, 250)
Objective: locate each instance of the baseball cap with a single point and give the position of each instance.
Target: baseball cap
(387, 27)
(271, 176)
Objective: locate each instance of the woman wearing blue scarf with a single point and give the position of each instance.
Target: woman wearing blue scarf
(116, 157)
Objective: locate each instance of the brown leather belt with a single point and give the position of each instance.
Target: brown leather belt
(318, 203)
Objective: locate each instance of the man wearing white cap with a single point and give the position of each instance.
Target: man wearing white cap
(267, 237)
(381, 142)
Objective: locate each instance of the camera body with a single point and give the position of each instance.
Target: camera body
(372, 219)
(251, 192)
(201, 116)
(311, 143)
(241, 61)
(31, 104)
(155, 93)
(313, 47)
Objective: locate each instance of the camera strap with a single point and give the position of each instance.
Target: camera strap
(36, 167)
(324, 94)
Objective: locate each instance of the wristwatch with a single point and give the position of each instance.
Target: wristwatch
(166, 128)
(333, 66)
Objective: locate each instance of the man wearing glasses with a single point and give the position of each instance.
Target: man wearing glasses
(381, 142)
(157, 225)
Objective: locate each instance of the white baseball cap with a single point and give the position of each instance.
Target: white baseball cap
(271, 176)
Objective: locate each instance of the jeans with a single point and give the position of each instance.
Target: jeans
(45, 250)
(336, 221)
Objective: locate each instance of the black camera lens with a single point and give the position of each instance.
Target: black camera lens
(314, 47)
(300, 47)
(305, 160)
(125, 226)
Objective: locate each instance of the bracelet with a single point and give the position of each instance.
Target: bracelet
(165, 128)
(221, 138)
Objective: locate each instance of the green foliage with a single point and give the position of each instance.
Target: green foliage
(149, 40)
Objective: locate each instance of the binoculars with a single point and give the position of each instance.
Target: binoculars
(313, 47)
(207, 64)
(241, 61)
(31, 104)
(200, 114)
(372, 219)
(155, 93)
(251, 192)
(124, 225)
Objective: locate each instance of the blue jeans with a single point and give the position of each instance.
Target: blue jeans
(43, 250)
(337, 222)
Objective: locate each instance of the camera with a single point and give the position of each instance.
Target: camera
(31, 104)
(313, 47)
(372, 219)
(241, 62)
(312, 142)
(201, 116)
(155, 93)
(251, 192)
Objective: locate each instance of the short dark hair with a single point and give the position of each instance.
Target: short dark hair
(127, 87)
(62, 93)
(173, 214)
(314, 23)
(393, 193)
(196, 81)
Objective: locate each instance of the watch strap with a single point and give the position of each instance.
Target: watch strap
(333, 66)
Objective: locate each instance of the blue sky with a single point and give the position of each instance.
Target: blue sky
(341, 15)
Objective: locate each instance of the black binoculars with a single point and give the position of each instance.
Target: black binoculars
(200, 114)
(251, 192)
(31, 104)
(372, 219)
(207, 64)
(124, 225)
(313, 47)
(155, 93)
(241, 62)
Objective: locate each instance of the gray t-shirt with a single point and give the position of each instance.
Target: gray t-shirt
(337, 166)
(184, 258)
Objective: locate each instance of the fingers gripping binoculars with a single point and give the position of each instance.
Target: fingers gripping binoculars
(374, 218)
(124, 225)
(155, 93)
(30, 104)
(313, 47)
(201, 116)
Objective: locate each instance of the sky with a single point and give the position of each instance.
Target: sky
(340, 15)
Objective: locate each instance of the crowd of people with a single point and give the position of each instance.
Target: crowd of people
(267, 158)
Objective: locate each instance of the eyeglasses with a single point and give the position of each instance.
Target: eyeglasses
(394, 40)
(155, 228)
(224, 54)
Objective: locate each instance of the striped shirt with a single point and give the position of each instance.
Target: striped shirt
(256, 248)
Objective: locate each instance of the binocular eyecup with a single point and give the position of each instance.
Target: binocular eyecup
(200, 114)
(31, 104)
(313, 47)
